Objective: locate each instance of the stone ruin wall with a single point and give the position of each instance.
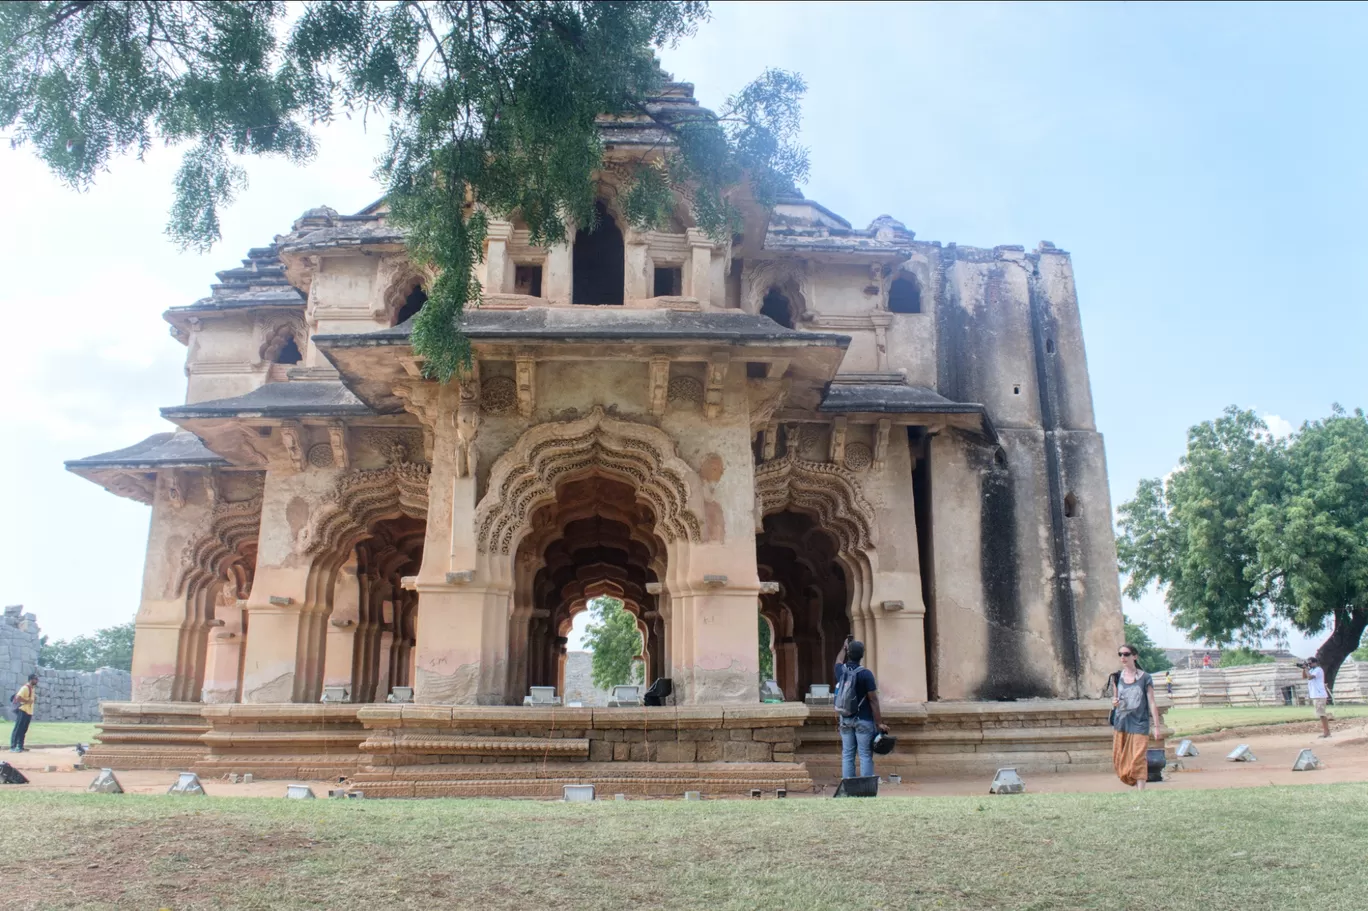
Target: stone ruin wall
(1258, 684)
(579, 680)
(62, 695)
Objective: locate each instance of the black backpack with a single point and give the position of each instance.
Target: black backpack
(848, 700)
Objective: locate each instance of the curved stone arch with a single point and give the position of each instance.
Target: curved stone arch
(547, 455)
(206, 557)
(396, 277)
(789, 276)
(360, 499)
(273, 330)
(830, 493)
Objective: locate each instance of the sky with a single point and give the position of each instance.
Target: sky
(1202, 163)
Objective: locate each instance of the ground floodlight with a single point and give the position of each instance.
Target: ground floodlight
(578, 793)
(105, 783)
(1306, 762)
(187, 784)
(755, 792)
(693, 795)
(1187, 748)
(1007, 781)
(862, 786)
(299, 792)
(1242, 754)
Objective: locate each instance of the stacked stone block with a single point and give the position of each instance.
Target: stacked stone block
(62, 695)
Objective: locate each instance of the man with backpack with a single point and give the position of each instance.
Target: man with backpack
(857, 708)
(22, 703)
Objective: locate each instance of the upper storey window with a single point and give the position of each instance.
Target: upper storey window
(598, 262)
(904, 296)
(412, 304)
(281, 347)
(777, 307)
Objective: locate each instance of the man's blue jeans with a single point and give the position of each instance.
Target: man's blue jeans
(857, 735)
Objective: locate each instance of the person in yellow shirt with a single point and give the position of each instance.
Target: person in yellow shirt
(23, 713)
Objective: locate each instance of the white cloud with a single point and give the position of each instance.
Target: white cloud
(1278, 426)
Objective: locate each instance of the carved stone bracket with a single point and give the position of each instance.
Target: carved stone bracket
(881, 443)
(660, 384)
(337, 438)
(526, 369)
(838, 441)
(712, 396)
(292, 438)
(771, 440)
(421, 400)
(468, 422)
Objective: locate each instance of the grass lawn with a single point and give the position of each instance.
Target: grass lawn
(1246, 849)
(51, 733)
(1188, 721)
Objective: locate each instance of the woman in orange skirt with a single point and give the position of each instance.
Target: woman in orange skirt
(1134, 712)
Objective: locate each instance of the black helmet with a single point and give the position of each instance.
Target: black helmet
(884, 744)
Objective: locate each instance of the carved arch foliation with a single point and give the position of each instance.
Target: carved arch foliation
(549, 455)
(363, 498)
(827, 491)
(206, 557)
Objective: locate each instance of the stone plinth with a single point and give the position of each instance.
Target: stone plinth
(971, 738)
(149, 735)
(446, 751)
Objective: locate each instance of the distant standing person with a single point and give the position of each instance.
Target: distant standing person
(1168, 683)
(857, 731)
(23, 713)
(1134, 714)
(1314, 675)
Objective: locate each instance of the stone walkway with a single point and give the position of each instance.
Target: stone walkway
(1344, 757)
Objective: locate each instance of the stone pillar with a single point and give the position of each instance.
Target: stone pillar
(284, 654)
(638, 274)
(464, 600)
(497, 264)
(698, 274)
(223, 664)
(557, 276)
(163, 649)
(342, 627)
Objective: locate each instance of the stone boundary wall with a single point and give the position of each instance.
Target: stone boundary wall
(1254, 684)
(62, 695)
(1351, 683)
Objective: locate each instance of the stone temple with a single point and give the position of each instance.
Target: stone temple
(832, 430)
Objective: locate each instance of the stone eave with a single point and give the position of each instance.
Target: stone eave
(372, 363)
(908, 405)
(132, 471)
(301, 398)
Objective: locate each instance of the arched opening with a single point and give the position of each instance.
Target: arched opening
(412, 304)
(594, 541)
(598, 262)
(904, 295)
(810, 614)
(777, 307)
(281, 347)
(387, 614)
(1070, 506)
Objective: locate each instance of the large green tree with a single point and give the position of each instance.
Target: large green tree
(491, 106)
(108, 647)
(1251, 531)
(1149, 656)
(614, 639)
